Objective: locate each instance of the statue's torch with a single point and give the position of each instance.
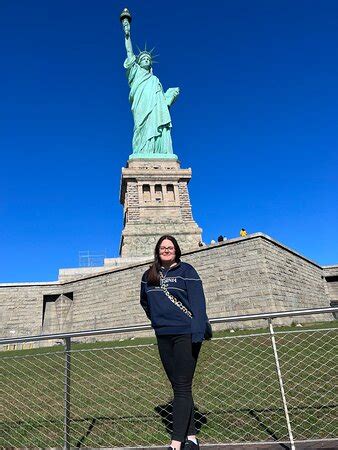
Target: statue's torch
(125, 19)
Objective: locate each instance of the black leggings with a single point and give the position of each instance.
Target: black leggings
(179, 357)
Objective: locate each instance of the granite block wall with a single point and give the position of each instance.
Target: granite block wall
(22, 307)
(331, 277)
(240, 276)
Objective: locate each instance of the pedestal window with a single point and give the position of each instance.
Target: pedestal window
(158, 193)
(170, 193)
(146, 193)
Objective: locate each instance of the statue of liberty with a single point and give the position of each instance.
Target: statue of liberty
(149, 103)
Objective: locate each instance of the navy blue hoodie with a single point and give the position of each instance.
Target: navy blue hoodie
(184, 283)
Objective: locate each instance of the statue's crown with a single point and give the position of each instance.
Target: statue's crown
(147, 53)
(144, 53)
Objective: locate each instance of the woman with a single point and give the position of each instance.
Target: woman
(179, 330)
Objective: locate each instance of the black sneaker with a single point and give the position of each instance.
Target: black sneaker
(190, 445)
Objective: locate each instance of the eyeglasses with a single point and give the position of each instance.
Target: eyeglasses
(168, 249)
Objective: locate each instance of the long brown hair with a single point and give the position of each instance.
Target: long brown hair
(154, 271)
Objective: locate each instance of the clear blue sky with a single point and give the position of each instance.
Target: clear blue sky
(256, 121)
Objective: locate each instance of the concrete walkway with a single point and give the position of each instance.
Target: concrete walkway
(331, 445)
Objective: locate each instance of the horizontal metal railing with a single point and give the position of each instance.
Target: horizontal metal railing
(143, 327)
(249, 387)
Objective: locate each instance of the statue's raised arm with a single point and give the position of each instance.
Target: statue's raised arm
(125, 19)
(149, 103)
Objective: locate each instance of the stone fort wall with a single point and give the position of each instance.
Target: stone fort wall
(240, 276)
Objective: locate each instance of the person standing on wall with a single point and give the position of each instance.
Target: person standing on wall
(173, 299)
(243, 232)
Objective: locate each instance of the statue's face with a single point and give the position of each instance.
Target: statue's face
(145, 62)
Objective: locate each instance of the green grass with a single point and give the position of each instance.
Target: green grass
(119, 392)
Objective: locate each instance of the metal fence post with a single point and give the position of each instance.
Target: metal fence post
(66, 403)
(281, 386)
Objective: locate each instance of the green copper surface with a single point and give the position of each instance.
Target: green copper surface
(149, 103)
(153, 156)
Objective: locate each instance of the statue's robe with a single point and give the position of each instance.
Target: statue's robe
(152, 121)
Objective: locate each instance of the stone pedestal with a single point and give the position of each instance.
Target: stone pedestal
(154, 194)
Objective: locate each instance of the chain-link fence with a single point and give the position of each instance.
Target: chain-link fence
(262, 386)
